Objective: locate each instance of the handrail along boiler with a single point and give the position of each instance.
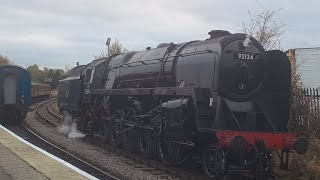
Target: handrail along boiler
(224, 97)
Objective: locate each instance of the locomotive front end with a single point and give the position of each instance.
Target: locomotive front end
(241, 67)
(253, 108)
(242, 78)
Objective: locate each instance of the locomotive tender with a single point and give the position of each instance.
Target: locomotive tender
(225, 98)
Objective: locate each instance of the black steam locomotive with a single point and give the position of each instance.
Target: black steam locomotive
(224, 98)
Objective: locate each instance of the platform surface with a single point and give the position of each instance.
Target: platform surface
(4, 175)
(22, 160)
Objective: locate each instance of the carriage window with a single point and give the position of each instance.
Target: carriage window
(88, 76)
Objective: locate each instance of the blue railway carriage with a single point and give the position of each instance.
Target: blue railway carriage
(15, 93)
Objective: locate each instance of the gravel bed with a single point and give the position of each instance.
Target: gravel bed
(111, 162)
(55, 108)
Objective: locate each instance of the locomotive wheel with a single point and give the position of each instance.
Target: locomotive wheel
(104, 134)
(265, 167)
(131, 138)
(115, 127)
(167, 150)
(107, 132)
(146, 144)
(213, 163)
(86, 121)
(104, 131)
(171, 152)
(107, 128)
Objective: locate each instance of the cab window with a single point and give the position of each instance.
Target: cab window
(88, 76)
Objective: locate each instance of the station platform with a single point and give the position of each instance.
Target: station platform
(20, 159)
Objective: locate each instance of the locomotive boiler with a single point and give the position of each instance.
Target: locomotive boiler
(224, 98)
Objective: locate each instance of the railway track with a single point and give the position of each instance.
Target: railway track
(81, 163)
(42, 109)
(49, 108)
(154, 167)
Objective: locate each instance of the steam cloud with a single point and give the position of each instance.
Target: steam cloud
(69, 127)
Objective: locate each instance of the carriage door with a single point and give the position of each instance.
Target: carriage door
(9, 89)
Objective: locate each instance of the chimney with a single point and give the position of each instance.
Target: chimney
(218, 33)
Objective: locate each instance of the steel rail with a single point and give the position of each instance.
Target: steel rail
(43, 116)
(51, 112)
(60, 149)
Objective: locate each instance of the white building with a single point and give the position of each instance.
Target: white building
(307, 61)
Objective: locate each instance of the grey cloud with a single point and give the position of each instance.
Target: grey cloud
(55, 33)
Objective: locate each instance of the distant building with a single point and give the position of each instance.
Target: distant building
(307, 63)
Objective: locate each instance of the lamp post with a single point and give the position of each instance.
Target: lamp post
(108, 44)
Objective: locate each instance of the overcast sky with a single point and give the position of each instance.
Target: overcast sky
(60, 32)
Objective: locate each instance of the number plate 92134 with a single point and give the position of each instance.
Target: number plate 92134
(245, 56)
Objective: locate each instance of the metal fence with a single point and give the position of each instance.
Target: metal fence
(305, 108)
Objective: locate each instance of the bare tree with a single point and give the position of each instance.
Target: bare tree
(265, 28)
(115, 48)
(4, 60)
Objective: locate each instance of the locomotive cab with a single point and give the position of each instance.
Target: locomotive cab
(91, 78)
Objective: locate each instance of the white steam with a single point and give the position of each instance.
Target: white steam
(69, 127)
